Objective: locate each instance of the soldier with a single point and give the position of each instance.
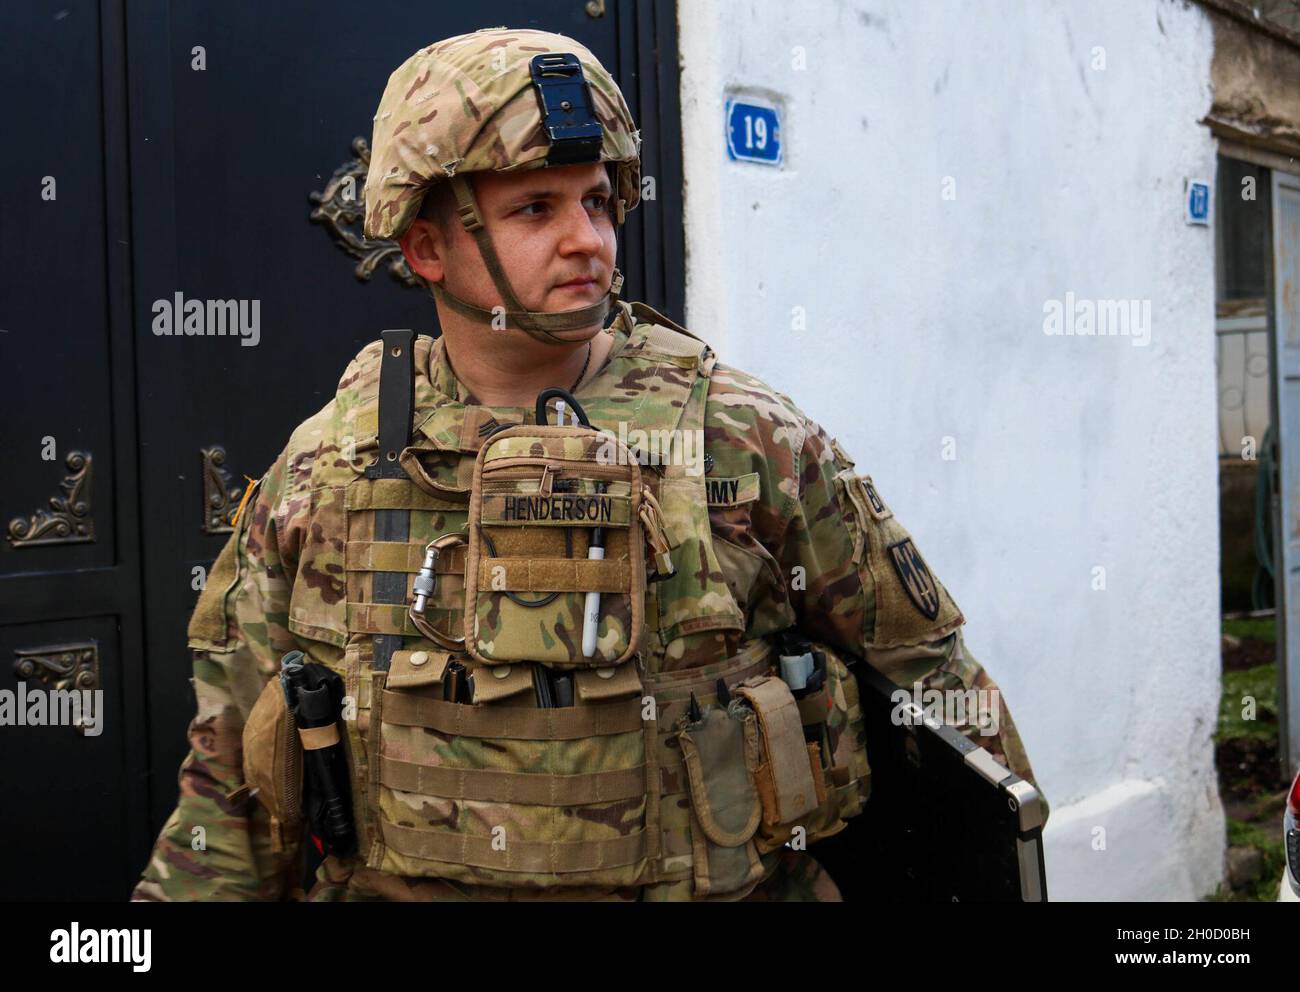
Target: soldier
(673, 752)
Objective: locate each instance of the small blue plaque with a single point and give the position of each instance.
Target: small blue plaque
(1198, 201)
(753, 133)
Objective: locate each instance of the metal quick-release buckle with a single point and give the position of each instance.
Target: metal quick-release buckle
(567, 117)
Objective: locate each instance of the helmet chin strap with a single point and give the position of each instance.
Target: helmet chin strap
(540, 326)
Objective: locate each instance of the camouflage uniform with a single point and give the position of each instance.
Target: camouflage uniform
(786, 533)
(800, 519)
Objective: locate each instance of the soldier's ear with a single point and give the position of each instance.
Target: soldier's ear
(425, 247)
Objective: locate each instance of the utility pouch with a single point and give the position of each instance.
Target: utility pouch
(509, 794)
(273, 763)
(721, 755)
(832, 717)
(789, 778)
(544, 499)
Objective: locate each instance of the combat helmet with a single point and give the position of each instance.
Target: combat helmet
(498, 100)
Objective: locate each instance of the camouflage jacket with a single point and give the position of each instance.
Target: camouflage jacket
(801, 538)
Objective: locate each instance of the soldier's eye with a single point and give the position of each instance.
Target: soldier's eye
(597, 202)
(533, 209)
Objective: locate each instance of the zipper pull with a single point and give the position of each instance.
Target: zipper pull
(548, 478)
(657, 536)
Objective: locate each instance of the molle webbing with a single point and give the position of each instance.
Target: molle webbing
(396, 403)
(519, 855)
(397, 493)
(510, 722)
(400, 556)
(572, 575)
(490, 785)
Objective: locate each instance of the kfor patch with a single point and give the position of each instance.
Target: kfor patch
(915, 577)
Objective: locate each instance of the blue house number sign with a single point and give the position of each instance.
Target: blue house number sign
(1198, 202)
(753, 133)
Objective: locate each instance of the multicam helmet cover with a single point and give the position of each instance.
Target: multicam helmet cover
(469, 104)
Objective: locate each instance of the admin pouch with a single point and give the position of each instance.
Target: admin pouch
(543, 498)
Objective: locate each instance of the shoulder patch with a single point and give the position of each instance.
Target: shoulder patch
(915, 577)
(862, 493)
(911, 604)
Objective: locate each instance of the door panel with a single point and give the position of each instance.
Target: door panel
(64, 790)
(69, 557)
(193, 172)
(52, 301)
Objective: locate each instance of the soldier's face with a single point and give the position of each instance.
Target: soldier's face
(551, 228)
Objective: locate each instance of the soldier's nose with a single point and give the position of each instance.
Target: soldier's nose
(580, 234)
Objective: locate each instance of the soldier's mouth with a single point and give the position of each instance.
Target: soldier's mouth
(577, 284)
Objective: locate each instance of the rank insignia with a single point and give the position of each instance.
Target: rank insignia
(916, 578)
(874, 503)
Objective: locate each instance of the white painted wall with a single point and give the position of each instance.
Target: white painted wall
(925, 321)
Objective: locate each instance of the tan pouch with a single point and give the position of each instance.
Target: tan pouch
(273, 763)
(538, 494)
(721, 755)
(834, 715)
(789, 779)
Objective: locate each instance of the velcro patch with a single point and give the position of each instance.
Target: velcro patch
(862, 493)
(915, 577)
(911, 604)
(479, 425)
(875, 505)
(558, 509)
(732, 492)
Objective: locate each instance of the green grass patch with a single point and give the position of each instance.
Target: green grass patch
(1258, 683)
(1257, 630)
(1268, 841)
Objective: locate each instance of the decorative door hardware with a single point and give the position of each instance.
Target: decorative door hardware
(220, 498)
(68, 520)
(341, 208)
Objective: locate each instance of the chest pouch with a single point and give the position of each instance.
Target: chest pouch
(556, 568)
(790, 778)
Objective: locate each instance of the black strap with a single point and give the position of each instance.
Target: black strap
(396, 404)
